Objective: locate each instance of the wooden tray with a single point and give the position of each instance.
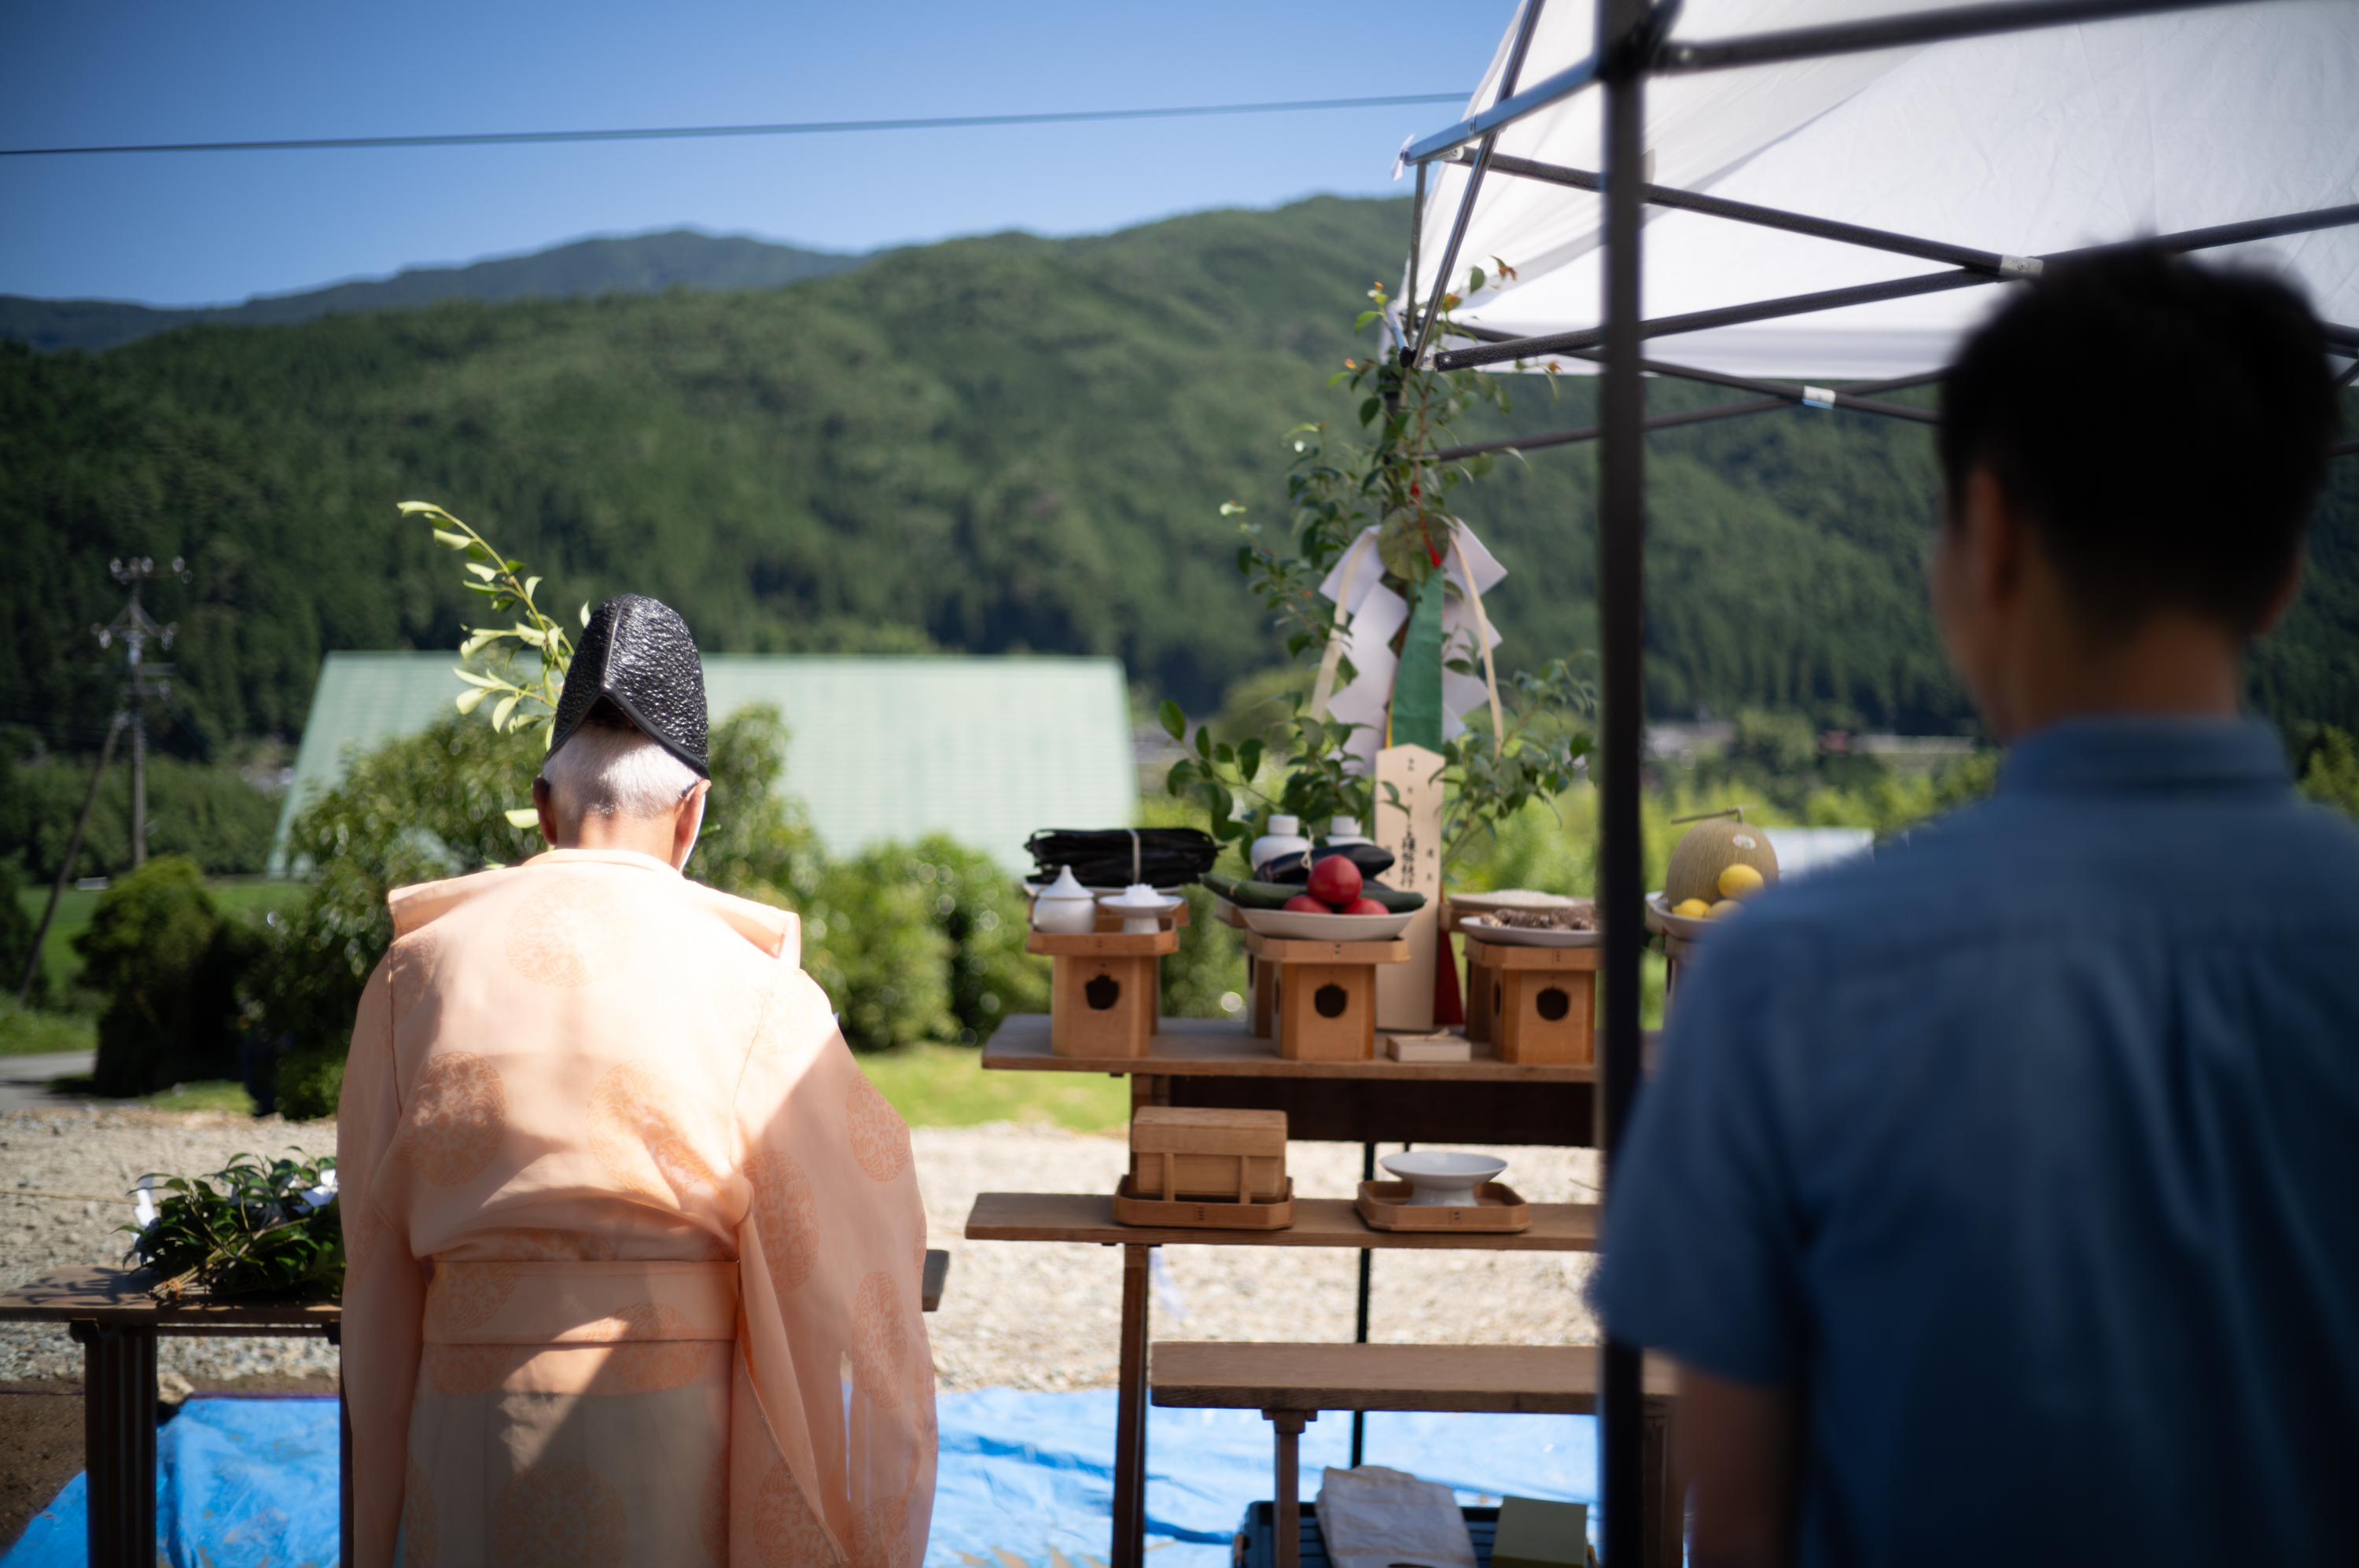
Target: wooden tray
(1385, 1206)
(1201, 1213)
(1103, 944)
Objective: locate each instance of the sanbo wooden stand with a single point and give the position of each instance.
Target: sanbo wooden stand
(1533, 1004)
(1325, 994)
(1103, 990)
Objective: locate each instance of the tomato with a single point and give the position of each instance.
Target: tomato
(1335, 881)
(1366, 907)
(1304, 904)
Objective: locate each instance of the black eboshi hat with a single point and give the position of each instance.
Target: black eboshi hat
(636, 654)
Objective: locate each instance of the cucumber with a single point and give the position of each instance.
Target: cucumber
(1274, 895)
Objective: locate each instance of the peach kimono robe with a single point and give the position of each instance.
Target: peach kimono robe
(635, 1248)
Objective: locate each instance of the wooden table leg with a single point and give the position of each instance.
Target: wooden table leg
(1288, 1426)
(119, 1443)
(343, 1452)
(1130, 1416)
(1667, 1532)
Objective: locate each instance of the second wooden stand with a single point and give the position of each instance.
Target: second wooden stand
(1325, 994)
(1533, 1004)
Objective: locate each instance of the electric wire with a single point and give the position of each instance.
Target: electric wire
(797, 128)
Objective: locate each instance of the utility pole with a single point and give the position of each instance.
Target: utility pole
(132, 627)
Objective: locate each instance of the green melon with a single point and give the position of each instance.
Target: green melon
(1711, 847)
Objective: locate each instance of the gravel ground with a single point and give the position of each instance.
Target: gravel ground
(1015, 1314)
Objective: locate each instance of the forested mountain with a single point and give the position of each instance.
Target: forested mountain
(639, 264)
(994, 444)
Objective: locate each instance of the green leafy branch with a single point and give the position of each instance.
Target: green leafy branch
(1536, 758)
(1389, 473)
(1297, 768)
(522, 704)
(248, 1228)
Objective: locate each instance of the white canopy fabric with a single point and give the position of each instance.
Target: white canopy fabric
(2024, 144)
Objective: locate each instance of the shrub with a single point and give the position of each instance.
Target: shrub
(2329, 771)
(169, 961)
(976, 907)
(871, 941)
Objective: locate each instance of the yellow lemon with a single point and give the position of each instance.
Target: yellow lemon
(1738, 880)
(1692, 908)
(1724, 908)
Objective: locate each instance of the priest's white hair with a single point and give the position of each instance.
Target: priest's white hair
(610, 770)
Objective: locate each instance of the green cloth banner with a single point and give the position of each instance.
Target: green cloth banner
(1416, 683)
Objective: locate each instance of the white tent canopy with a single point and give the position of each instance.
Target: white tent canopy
(2024, 144)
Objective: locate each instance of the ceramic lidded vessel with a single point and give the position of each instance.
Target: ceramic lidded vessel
(1065, 907)
(1284, 838)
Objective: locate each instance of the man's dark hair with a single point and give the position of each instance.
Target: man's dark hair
(2162, 425)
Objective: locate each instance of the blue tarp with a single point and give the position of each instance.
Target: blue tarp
(238, 1482)
(1025, 1478)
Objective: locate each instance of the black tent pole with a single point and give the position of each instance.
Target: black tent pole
(1624, 28)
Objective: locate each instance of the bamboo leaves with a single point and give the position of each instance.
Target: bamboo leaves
(524, 701)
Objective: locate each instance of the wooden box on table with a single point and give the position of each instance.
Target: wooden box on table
(1535, 1004)
(1325, 994)
(1103, 990)
(1208, 1152)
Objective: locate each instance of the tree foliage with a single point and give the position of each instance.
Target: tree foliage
(987, 444)
(208, 813)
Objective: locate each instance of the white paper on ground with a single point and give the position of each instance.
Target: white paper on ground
(1372, 1517)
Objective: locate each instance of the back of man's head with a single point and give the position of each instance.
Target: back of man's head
(609, 768)
(2161, 426)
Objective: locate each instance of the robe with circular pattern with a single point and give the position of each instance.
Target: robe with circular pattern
(634, 1246)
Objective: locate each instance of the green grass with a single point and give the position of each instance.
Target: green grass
(25, 1032)
(207, 1094)
(212, 1094)
(256, 896)
(945, 1086)
(58, 958)
(251, 897)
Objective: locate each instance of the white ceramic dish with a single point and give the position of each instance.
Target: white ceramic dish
(1142, 908)
(1659, 918)
(1164, 902)
(1443, 1178)
(1288, 925)
(1523, 936)
(1512, 898)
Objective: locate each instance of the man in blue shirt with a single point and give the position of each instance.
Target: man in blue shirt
(1999, 1199)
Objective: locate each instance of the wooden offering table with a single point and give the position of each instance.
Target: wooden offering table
(1318, 1222)
(1365, 1100)
(1220, 1062)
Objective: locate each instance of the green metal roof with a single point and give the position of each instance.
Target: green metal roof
(984, 749)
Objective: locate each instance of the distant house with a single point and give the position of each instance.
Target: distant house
(984, 749)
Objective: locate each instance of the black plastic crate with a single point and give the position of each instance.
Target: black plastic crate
(1255, 1545)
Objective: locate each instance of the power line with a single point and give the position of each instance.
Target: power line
(802, 129)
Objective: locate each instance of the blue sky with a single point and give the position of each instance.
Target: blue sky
(213, 227)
